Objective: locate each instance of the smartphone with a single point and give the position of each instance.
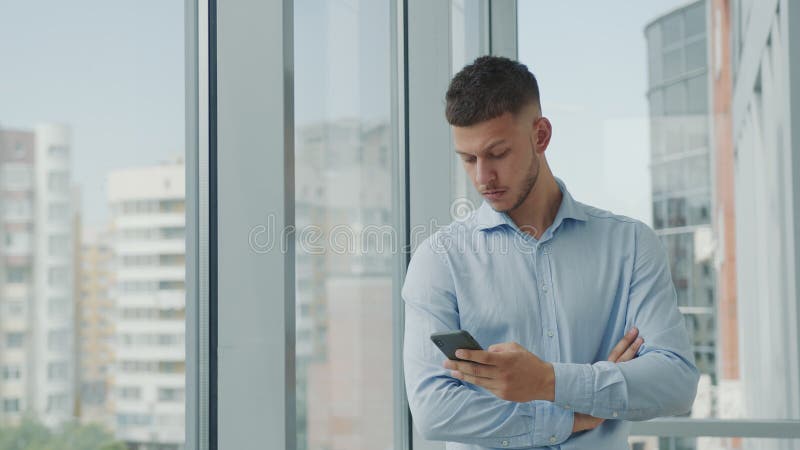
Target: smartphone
(450, 341)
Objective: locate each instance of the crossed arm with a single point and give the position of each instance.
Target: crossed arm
(506, 370)
(516, 412)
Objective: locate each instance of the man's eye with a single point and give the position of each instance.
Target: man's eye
(500, 155)
(468, 159)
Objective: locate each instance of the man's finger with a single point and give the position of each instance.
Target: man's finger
(474, 369)
(504, 347)
(478, 356)
(623, 344)
(482, 382)
(630, 353)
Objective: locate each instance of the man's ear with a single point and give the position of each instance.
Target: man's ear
(543, 131)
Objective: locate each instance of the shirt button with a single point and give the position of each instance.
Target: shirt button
(552, 439)
(566, 406)
(544, 288)
(614, 414)
(550, 333)
(504, 443)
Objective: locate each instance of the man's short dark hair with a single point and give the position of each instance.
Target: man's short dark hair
(489, 87)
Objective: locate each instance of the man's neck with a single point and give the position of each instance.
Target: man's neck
(539, 210)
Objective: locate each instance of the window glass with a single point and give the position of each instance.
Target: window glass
(713, 189)
(343, 194)
(91, 146)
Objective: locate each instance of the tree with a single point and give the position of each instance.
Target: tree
(33, 435)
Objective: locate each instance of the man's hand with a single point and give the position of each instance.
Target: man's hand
(625, 350)
(507, 370)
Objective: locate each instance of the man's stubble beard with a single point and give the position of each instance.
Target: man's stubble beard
(528, 184)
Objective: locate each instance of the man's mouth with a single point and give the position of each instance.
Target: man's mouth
(493, 194)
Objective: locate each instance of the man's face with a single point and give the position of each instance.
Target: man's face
(501, 158)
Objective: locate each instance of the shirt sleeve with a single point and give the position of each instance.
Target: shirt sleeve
(662, 379)
(445, 408)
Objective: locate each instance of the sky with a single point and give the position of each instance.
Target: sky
(114, 72)
(590, 59)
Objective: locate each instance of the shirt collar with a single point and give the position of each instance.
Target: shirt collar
(487, 218)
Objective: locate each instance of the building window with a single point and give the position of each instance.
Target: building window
(57, 403)
(15, 308)
(11, 372)
(58, 277)
(15, 340)
(57, 308)
(129, 392)
(170, 395)
(58, 245)
(58, 371)
(17, 275)
(58, 151)
(11, 405)
(57, 212)
(58, 182)
(58, 340)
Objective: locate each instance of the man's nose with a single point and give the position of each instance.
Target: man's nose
(484, 172)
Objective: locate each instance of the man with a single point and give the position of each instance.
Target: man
(558, 289)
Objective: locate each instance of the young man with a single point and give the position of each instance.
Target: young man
(553, 285)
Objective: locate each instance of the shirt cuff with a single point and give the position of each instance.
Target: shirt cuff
(552, 424)
(574, 386)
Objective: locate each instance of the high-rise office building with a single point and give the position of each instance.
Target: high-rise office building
(681, 175)
(148, 245)
(765, 116)
(36, 276)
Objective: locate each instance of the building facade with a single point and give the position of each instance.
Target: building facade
(681, 169)
(36, 287)
(148, 245)
(95, 312)
(766, 137)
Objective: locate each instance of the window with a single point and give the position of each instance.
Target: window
(58, 340)
(11, 373)
(11, 405)
(17, 274)
(15, 339)
(58, 245)
(170, 394)
(58, 182)
(129, 392)
(16, 176)
(57, 212)
(342, 142)
(112, 162)
(58, 307)
(58, 151)
(58, 371)
(717, 189)
(58, 277)
(14, 308)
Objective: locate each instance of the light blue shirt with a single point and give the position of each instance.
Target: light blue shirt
(568, 298)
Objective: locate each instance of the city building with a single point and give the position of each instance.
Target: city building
(95, 310)
(681, 171)
(765, 117)
(36, 275)
(148, 245)
(344, 286)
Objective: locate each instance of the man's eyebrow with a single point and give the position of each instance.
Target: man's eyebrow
(486, 149)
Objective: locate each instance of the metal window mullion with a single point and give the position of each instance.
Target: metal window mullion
(255, 240)
(503, 28)
(428, 36)
(402, 416)
(196, 167)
